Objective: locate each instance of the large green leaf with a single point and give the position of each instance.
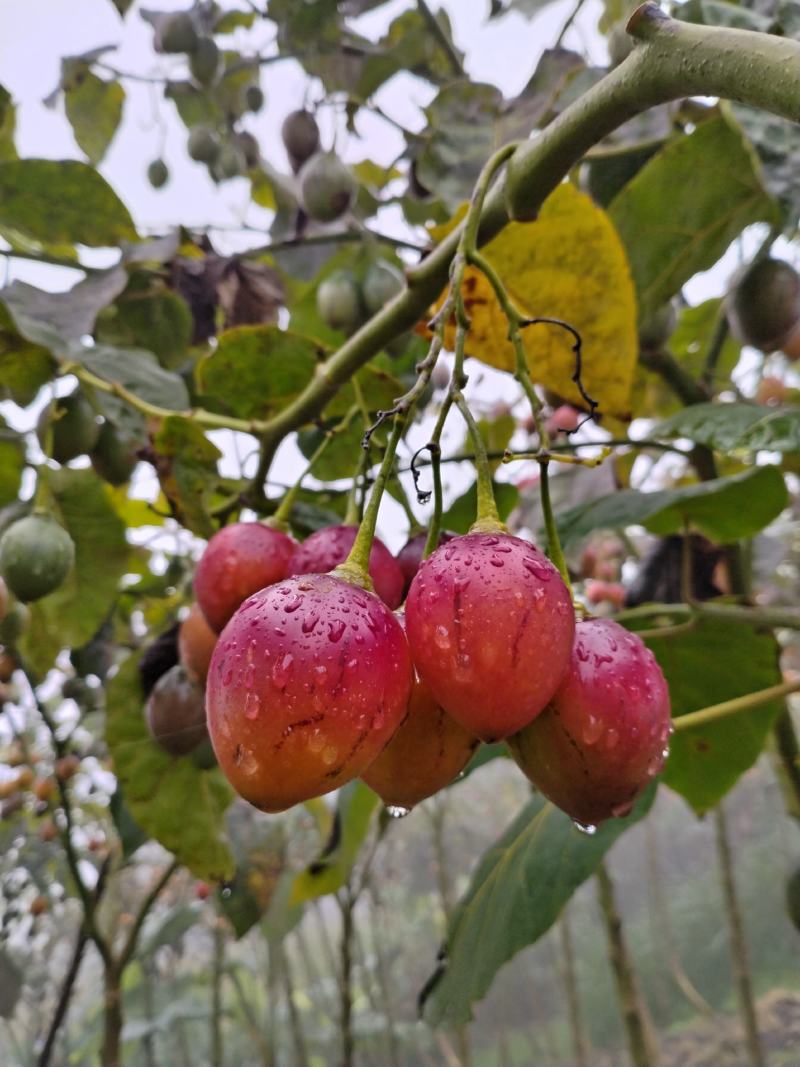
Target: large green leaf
(670, 238)
(7, 124)
(516, 894)
(725, 510)
(71, 615)
(731, 426)
(12, 463)
(188, 472)
(180, 805)
(713, 662)
(138, 371)
(256, 370)
(777, 143)
(24, 367)
(148, 315)
(94, 109)
(355, 805)
(62, 200)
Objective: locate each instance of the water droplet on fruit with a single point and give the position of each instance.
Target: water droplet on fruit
(336, 630)
(252, 706)
(539, 601)
(592, 730)
(582, 653)
(394, 811)
(321, 670)
(228, 676)
(282, 671)
(316, 742)
(310, 623)
(495, 561)
(611, 739)
(249, 676)
(442, 638)
(293, 604)
(584, 827)
(538, 569)
(329, 754)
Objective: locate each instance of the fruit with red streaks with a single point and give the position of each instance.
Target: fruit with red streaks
(175, 713)
(196, 641)
(328, 547)
(238, 561)
(490, 625)
(410, 555)
(426, 753)
(604, 735)
(308, 682)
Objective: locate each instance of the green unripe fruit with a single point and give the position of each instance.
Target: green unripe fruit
(14, 624)
(300, 135)
(658, 328)
(176, 33)
(327, 187)
(248, 148)
(254, 98)
(112, 458)
(204, 62)
(157, 173)
(381, 282)
(793, 898)
(36, 555)
(339, 302)
(230, 163)
(763, 305)
(71, 426)
(203, 145)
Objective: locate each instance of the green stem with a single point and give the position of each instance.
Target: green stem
(774, 618)
(434, 530)
(554, 549)
(733, 707)
(487, 516)
(356, 567)
(284, 510)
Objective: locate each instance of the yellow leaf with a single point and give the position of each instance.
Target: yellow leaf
(569, 264)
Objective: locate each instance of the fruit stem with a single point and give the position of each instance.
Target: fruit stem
(554, 550)
(280, 520)
(355, 502)
(733, 707)
(355, 568)
(487, 517)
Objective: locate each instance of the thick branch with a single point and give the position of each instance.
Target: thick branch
(671, 60)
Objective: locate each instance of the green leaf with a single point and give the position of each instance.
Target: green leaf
(259, 852)
(24, 367)
(692, 336)
(355, 805)
(725, 509)
(257, 370)
(234, 20)
(149, 315)
(706, 761)
(71, 615)
(94, 110)
(52, 200)
(341, 458)
(188, 472)
(721, 13)
(777, 144)
(138, 371)
(461, 514)
(516, 894)
(12, 463)
(670, 238)
(731, 426)
(174, 801)
(7, 124)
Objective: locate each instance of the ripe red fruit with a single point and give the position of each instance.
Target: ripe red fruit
(202, 890)
(238, 561)
(175, 713)
(426, 753)
(307, 684)
(604, 735)
(410, 555)
(490, 625)
(328, 547)
(196, 642)
(606, 592)
(564, 419)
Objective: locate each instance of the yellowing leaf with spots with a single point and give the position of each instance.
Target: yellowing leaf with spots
(569, 264)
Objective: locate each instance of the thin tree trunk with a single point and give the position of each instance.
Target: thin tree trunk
(218, 968)
(148, 1041)
(251, 1019)
(110, 1054)
(382, 968)
(346, 977)
(573, 999)
(787, 751)
(295, 1022)
(638, 1029)
(738, 943)
(63, 999)
(667, 945)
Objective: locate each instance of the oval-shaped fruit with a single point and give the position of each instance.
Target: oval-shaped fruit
(763, 306)
(428, 750)
(112, 458)
(203, 145)
(254, 98)
(196, 641)
(564, 419)
(71, 425)
(382, 281)
(490, 625)
(158, 173)
(330, 546)
(248, 148)
(230, 163)
(409, 557)
(300, 135)
(204, 61)
(339, 301)
(308, 682)
(327, 187)
(604, 735)
(36, 555)
(176, 33)
(175, 713)
(238, 561)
